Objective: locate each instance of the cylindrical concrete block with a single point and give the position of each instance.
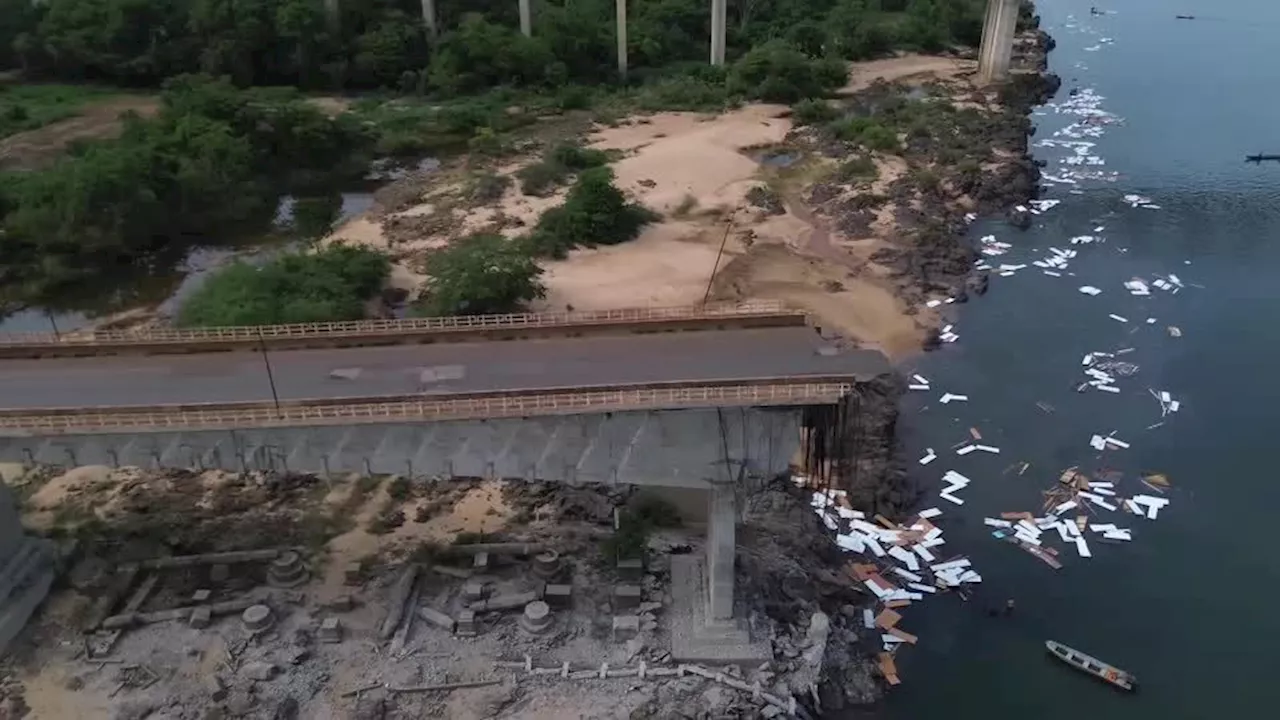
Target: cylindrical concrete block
(536, 619)
(546, 564)
(257, 618)
(287, 570)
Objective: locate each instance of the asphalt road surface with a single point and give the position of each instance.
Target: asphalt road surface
(447, 368)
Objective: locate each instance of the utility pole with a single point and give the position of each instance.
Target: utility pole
(271, 378)
(622, 38)
(49, 314)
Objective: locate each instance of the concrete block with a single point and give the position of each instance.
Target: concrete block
(474, 591)
(626, 597)
(558, 596)
(536, 619)
(342, 603)
(631, 570)
(201, 618)
(466, 626)
(437, 618)
(353, 573)
(220, 573)
(625, 627)
(330, 630)
(480, 561)
(201, 596)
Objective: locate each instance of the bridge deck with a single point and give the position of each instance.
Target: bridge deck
(465, 367)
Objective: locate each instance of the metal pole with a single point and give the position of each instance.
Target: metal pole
(54, 323)
(271, 378)
(727, 226)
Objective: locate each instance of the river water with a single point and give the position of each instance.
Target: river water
(1187, 605)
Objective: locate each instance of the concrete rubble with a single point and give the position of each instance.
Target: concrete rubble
(286, 629)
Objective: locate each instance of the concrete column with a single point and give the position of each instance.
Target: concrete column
(722, 520)
(526, 18)
(719, 10)
(332, 14)
(998, 28)
(429, 19)
(622, 38)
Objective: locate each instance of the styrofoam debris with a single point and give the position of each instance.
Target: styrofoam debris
(930, 513)
(929, 456)
(966, 449)
(987, 448)
(951, 397)
(1118, 318)
(1089, 290)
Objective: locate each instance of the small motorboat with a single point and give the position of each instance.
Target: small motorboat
(1260, 158)
(1093, 666)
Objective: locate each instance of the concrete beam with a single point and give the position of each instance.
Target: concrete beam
(622, 38)
(998, 28)
(526, 18)
(719, 14)
(722, 521)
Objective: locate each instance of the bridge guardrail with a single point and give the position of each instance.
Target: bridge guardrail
(428, 409)
(369, 329)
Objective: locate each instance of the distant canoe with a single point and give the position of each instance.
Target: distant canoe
(1093, 666)
(1260, 158)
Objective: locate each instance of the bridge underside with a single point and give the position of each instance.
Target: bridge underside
(673, 448)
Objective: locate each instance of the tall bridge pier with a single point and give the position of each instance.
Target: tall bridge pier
(998, 28)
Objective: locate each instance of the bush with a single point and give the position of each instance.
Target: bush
(683, 93)
(867, 132)
(779, 72)
(541, 178)
(488, 187)
(859, 167)
(563, 160)
(813, 112)
(332, 284)
(481, 275)
(594, 213)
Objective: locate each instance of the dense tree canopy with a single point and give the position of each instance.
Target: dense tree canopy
(212, 159)
(384, 43)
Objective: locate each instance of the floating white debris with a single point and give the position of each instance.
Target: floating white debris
(966, 449)
(922, 587)
(987, 448)
(1082, 547)
(951, 397)
(918, 387)
(1089, 290)
(951, 498)
(930, 513)
(924, 553)
(996, 522)
(868, 618)
(1113, 442)
(933, 303)
(1097, 442)
(920, 379)
(1137, 287)
(1118, 318)
(906, 558)
(929, 456)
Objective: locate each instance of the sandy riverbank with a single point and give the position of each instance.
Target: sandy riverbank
(792, 230)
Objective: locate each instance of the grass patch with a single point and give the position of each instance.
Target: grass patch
(856, 169)
(559, 164)
(595, 213)
(29, 107)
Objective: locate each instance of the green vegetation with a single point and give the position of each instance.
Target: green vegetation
(557, 166)
(858, 167)
(27, 107)
(780, 72)
(594, 213)
(383, 43)
(814, 112)
(213, 160)
(481, 275)
(331, 284)
(867, 132)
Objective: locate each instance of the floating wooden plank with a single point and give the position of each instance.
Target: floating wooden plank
(888, 668)
(903, 635)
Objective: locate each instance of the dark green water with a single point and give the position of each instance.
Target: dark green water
(1189, 604)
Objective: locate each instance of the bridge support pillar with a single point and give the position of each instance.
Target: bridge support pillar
(429, 19)
(722, 521)
(998, 28)
(622, 38)
(332, 14)
(526, 18)
(719, 16)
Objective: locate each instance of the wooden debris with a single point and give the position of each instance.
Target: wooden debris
(895, 604)
(887, 619)
(973, 432)
(902, 635)
(888, 668)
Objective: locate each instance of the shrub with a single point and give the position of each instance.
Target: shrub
(595, 213)
(332, 284)
(813, 112)
(541, 178)
(562, 161)
(866, 132)
(488, 187)
(480, 275)
(779, 72)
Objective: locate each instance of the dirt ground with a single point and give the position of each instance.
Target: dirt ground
(697, 171)
(97, 121)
